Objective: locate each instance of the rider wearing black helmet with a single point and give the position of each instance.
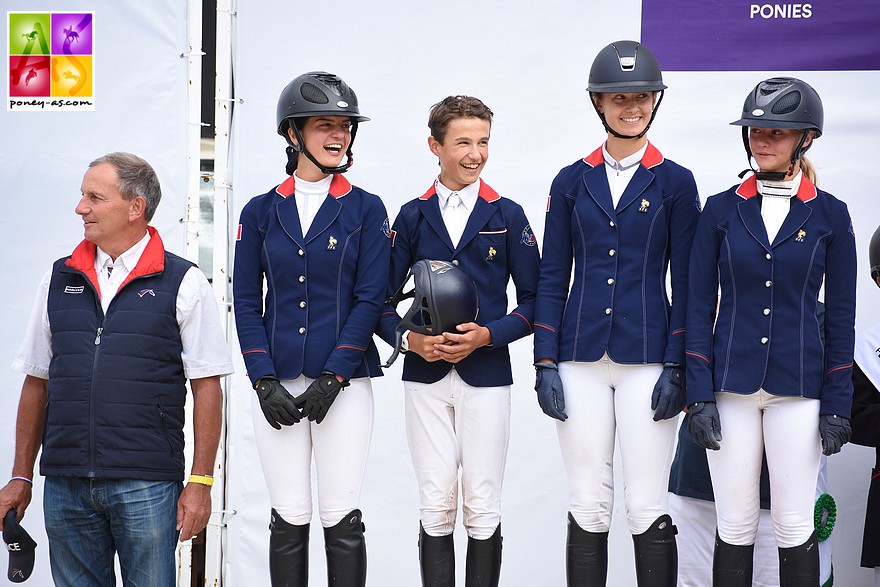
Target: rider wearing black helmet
(320, 247)
(757, 367)
(609, 345)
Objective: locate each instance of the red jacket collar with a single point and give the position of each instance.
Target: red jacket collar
(339, 186)
(152, 260)
(749, 188)
(651, 158)
(486, 192)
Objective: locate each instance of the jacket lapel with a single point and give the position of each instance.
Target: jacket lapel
(750, 214)
(478, 218)
(639, 182)
(429, 206)
(796, 218)
(288, 217)
(327, 213)
(596, 181)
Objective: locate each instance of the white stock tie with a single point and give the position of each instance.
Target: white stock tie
(454, 217)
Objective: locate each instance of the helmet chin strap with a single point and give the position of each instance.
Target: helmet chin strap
(617, 134)
(299, 147)
(773, 175)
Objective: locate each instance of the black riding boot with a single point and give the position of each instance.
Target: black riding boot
(346, 552)
(483, 565)
(656, 554)
(799, 565)
(732, 565)
(437, 559)
(586, 556)
(288, 553)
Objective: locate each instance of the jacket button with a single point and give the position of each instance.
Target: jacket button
(764, 340)
(611, 252)
(302, 279)
(611, 223)
(610, 281)
(302, 253)
(766, 311)
(302, 330)
(769, 256)
(607, 311)
(768, 283)
(302, 304)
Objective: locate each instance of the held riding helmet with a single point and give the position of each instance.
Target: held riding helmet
(443, 297)
(874, 256)
(625, 67)
(781, 102)
(316, 93)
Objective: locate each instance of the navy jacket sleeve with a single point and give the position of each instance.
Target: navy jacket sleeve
(248, 294)
(682, 226)
(524, 265)
(702, 301)
(840, 315)
(401, 261)
(555, 275)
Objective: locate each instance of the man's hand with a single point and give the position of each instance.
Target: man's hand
(15, 495)
(457, 347)
(193, 510)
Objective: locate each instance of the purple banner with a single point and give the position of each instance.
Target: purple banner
(743, 35)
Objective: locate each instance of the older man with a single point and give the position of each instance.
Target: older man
(117, 329)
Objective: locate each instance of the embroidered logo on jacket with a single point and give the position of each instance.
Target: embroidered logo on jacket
(145, 292)
(491, 255)
(644, 207)
(528, 237)
(70, 289)
(331, 243)
(386, 228)
(800, 235)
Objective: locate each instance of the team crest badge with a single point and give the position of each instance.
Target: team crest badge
(644, 207)
(491, 255)
(528, 237)
(331, 243)
(800, 236)
(386, 229)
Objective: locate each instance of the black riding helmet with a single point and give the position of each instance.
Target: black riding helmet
(625, 67)
(782, 102)
(443, 297)
(874, 256)
(316, 93)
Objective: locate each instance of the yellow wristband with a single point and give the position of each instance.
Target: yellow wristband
(202, 479)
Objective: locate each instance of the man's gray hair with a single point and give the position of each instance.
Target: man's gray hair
(136, 178)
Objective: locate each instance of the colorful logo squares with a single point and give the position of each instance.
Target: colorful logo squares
(51, 61)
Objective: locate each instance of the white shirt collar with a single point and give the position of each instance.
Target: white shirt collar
(128, 259)
(468, 194)
(626, 162)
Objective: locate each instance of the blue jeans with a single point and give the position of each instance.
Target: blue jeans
(88, 520)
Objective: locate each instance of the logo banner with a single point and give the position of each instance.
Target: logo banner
(744, 35)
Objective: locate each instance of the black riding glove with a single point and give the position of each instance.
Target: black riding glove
(277, 403)
(704, 425)
(548, 384)
(319, 396)
(835, 431)
(667, 401)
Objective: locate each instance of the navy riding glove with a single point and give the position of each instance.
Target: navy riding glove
(667, 401)
(835, 431)
(548, 384)
(704, 425)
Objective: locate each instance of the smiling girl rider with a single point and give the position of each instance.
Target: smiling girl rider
(322, 247)
(759, 371)
(609, 349)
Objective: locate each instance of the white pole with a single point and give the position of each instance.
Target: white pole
(223, 99)
(193, 56)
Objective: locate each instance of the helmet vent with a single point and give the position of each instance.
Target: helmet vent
(787, 103)
(313, 94)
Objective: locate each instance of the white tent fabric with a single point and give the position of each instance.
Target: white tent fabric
(141, 97)
(529, 62)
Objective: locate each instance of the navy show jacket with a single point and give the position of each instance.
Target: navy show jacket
(324, 291)
(617, 302)
(497, 244)
(767, 334)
